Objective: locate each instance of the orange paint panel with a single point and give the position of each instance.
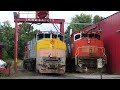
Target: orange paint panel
(51, 53)
(83, 48)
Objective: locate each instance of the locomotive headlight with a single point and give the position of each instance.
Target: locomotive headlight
(99, 63)
(88, 40)
(80, 65)
(61, 60)
(41, 60)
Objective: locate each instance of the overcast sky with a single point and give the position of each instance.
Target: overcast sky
(67, 15)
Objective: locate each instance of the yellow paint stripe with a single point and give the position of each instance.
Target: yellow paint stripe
(45, 44)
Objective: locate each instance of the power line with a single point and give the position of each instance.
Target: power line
(79, 23)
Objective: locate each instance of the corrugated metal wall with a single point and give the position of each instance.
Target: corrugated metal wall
(111, 40)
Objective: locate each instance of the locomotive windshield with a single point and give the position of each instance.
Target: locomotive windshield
(91, 35)
(40, 36)
(54, 36)
(97, 36)
(58, 36)
(84, 35)
(49, 35)
(94, 36)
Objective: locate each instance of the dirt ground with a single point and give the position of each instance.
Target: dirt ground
(24, 74)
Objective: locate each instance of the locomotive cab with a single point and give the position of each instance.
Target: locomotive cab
(85, 35)
(46, 53)
(51, 52)
(51, 35)
(88, 50)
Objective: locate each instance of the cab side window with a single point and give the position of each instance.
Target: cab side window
(91, 36)
(60, 37)
(76, 37)
(84, 35)
(97, 36)
(54, 36)
(40, 36)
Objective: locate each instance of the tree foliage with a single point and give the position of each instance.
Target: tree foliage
(24, 35)
(7, 37)
(82, 18)
(97, 18)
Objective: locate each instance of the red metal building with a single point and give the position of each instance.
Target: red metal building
(110, 34)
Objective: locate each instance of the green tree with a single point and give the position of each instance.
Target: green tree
(97, 18)
(7, 37)
(25, 34)
(67, 32)
(82, 18)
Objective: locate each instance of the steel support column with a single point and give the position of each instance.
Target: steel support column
(62, 28)
(15, 46)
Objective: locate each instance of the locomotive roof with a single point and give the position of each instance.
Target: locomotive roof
(48, 32)
(84, 32)
(89, 28)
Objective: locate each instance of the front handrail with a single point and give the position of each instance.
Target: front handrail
(77, 51)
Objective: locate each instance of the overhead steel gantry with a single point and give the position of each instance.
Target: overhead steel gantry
(41, 17)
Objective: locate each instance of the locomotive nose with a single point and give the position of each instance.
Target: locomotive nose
(92, 51)
(52, 41)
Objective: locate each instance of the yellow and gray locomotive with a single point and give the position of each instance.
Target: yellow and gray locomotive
(46, 53)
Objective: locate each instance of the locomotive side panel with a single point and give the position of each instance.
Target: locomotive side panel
(31, 47)
(30, 55)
